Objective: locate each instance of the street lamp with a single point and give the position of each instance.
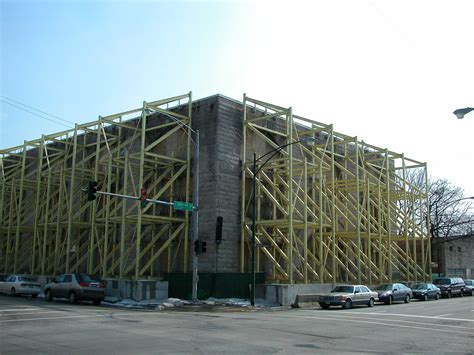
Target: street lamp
(460, 112)
(255, 171)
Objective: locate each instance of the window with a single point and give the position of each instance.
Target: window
(68, 278)
(450, 248)
(459, 249)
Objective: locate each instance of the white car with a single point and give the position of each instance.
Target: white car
(20, 285)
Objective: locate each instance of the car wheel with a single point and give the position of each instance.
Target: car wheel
(371, 302)
(407, 299)
(72, 297)
(97, 302)
(324, 306)
(13, 292)
(389, 300)
(48, 295)
(425, 297)
(437, 297)
(348, 304)
(34, 295)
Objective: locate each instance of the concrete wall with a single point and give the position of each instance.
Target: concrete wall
(285, 295)
(219, 121)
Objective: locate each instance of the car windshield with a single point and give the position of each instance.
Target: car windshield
(419, 287)
(384, 287)
(348, 289)
(87, 278)
(442, 282)
(26, 279)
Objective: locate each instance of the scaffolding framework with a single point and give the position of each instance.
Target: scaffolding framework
(337, 210)
(48, 226)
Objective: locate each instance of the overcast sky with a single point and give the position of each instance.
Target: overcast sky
(389, 72)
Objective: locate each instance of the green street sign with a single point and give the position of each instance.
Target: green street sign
(184, 206)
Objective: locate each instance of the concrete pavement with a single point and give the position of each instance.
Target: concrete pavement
(35, 326)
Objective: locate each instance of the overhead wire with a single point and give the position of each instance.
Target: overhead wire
(4, 99)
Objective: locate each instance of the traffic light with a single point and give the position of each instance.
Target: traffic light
(91, 190)
(219, 223)
(199, 246)
(143, 197)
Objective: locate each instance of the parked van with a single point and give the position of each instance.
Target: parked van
(450, 286)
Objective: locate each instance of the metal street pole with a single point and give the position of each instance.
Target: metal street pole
(195, 217)
(254, 203)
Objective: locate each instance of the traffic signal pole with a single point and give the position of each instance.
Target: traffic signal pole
(195, 217)
(132, 197)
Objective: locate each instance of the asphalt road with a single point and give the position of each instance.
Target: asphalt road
(35, 326)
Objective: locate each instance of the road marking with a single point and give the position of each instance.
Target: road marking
(444, 315)
(19, 309)
(434, 329)
(408, 315)
(407, 321)
(81, 316)
(29, 313)
(32, 319)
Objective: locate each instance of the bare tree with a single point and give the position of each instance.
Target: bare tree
(450, 212)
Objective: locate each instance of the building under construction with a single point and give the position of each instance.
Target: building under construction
(328, 207)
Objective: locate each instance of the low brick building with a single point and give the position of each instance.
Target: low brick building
(454, 256)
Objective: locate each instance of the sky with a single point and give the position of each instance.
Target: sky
(389, 72)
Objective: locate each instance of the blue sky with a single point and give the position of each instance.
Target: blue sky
(389, 72)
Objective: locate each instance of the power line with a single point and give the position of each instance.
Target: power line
(34, 113)
(46, 113)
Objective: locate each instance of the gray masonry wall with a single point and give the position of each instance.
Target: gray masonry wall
(219, 121)
(459, 257)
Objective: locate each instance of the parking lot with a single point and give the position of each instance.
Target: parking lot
(34, 326)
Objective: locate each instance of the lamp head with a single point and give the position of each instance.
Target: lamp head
(462, 111)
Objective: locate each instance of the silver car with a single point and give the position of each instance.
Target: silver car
(348, 296)
(20, 285)
(76, 287)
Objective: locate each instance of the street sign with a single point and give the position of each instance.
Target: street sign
(184, 206)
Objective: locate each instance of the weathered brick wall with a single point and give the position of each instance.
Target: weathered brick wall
(459, 254)
(219, 121)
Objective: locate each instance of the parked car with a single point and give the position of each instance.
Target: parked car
(20, 285)
(469, 288)
(76, 287)
(423, 291)
(348, 296)
(389, 293)
(450, 286)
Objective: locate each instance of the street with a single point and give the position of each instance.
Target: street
(35, 326)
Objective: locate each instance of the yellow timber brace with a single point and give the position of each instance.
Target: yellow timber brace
(335, 210)
(47, 225)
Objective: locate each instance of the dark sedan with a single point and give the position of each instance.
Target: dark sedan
(389, 293)
(468, 290)
(424, 291)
